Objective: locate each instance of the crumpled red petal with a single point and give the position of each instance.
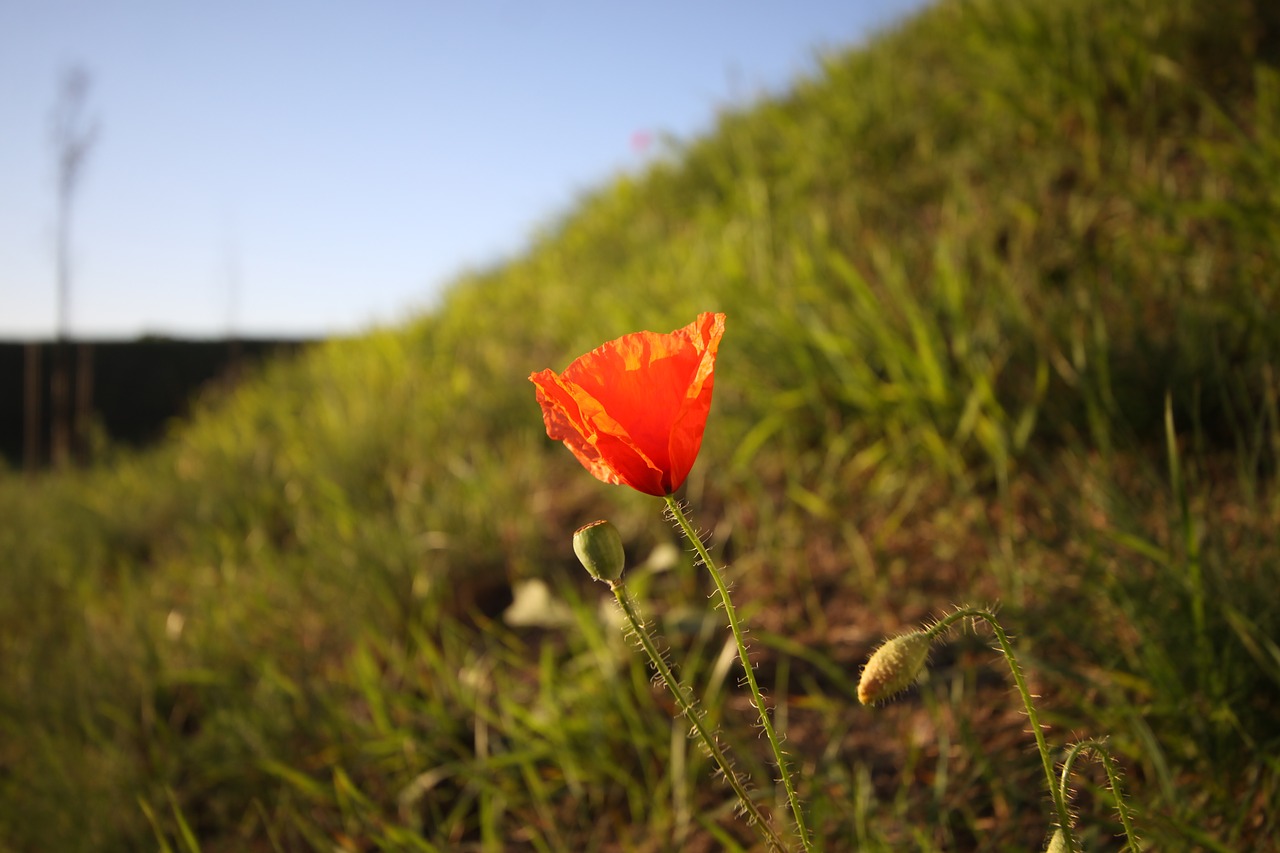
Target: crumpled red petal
(633, 410)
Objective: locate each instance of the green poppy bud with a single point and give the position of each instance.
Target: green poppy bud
(599, 548)
(894, 667)
(1057, 843)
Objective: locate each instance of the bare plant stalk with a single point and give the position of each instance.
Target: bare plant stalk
(690, 710)
(735, 625)
(72, 140)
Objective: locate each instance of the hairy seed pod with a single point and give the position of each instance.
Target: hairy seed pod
(894, 667)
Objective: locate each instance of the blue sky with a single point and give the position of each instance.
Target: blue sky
(310, 168)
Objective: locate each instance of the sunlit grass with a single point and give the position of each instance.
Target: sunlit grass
(1001, 297)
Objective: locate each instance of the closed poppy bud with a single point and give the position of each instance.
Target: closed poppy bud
(633, 410)
(894, 667)
(1057, 843)
(599, 549)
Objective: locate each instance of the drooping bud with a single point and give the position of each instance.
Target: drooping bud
(894, 667)
(1057, 843)
(599, 548)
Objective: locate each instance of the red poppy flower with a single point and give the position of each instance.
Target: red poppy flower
(633, 410)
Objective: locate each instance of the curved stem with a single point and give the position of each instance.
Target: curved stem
(1059, 796)
(1075, 750)
(1099, 748)
(736, 627)
(686, 704)
(1126, 819)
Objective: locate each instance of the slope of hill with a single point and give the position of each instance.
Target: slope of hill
(1001, 292)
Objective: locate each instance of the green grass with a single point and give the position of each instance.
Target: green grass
(1002, 290)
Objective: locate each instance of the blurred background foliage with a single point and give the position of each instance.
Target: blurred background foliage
(1001, 290)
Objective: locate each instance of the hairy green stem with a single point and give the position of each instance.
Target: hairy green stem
(1059, 797)
(687, 707)
(1099, 748)
(735, 625)
(1122, 806)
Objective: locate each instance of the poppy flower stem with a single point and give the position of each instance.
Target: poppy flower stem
(1006, 648)
(1098, 747)
(690, 710)
(735, 625)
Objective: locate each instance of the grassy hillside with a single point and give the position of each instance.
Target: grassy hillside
(1002, 291)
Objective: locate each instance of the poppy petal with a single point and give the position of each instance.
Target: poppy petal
(634, 409)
